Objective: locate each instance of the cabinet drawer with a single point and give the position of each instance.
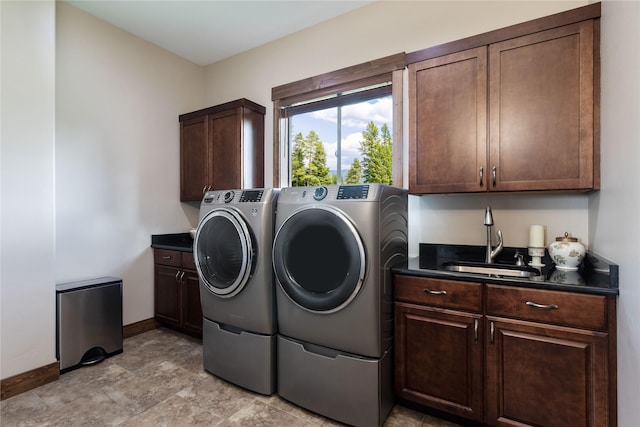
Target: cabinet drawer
(438, 293)
(188, 262)
(167, 257)
(555, 307)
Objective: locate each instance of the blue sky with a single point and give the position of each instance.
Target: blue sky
(354, 120)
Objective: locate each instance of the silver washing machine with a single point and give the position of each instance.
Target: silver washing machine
(332, 253)
(232, 251)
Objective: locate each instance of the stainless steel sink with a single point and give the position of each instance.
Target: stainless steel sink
(490, 269)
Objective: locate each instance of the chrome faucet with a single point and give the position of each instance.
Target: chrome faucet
(488, 222)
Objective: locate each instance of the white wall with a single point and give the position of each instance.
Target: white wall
(117, 153)
(615, 210)
(88, 174)
(27, 283)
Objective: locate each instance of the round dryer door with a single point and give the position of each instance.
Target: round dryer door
(319, 259)
(224, 252)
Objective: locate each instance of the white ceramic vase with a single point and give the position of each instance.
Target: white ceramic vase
(566, 252)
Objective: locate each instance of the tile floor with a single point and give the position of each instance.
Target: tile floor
(159, 381)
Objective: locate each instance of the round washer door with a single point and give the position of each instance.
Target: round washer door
(319, 259)
(224, 252)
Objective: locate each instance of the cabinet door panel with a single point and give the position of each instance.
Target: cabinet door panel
(439, 359)
(167, 294)
(545, 375)
(225, 137)
(194, 166)
(447, 133)
(541, 110)
(192, 314)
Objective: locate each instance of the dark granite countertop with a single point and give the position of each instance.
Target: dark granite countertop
(175, 242)
(596, 275)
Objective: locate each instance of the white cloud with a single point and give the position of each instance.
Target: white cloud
(357, 116)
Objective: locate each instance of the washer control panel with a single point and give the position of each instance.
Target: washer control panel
(251, 196)
(320, 193)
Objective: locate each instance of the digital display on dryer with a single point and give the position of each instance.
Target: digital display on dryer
(353, 192)
(251, 196)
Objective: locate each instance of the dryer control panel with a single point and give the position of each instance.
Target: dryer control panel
(353, 192)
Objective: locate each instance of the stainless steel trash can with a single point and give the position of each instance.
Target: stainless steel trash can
(88, 321)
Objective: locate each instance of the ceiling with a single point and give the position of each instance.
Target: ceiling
(207, 31)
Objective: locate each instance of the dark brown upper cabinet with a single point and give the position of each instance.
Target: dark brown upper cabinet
(221, 147)
(516, 109)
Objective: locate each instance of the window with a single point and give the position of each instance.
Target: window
(340, 127)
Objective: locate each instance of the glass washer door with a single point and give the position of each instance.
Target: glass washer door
(223, 252)
(319, 259)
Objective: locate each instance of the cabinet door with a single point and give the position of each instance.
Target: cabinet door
(543, 375)
(192, 310)
(225, 135)
(447, 123)
(194, 164)
(167, 294)
(439, 359)
(541, 130)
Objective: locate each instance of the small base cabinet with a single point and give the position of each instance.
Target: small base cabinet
(548, 358)
(506, 355)
(177, 291)
(439, 345)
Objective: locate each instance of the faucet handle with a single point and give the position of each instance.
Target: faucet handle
(520, 258)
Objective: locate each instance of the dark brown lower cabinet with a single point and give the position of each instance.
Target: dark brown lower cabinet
(439, 359)
(545, 375)
(177, 291)
(506, 355)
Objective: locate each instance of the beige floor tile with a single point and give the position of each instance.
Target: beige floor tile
(159, 381)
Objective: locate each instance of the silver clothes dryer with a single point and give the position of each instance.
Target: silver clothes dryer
(333, 250)
(232, 252)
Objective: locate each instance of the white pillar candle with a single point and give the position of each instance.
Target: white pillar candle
(536, 236)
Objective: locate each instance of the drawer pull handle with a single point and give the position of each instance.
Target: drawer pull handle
(430, 292)
(543, 306)
(166, 257)
(475, 330)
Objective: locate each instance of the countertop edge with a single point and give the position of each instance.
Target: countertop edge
(467, 277)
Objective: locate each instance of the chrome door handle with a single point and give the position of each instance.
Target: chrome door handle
(182, 277)
(492, 332)
(481, 176)
(177, 275)
(475, 330)
(493, 173)
(542, 306)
